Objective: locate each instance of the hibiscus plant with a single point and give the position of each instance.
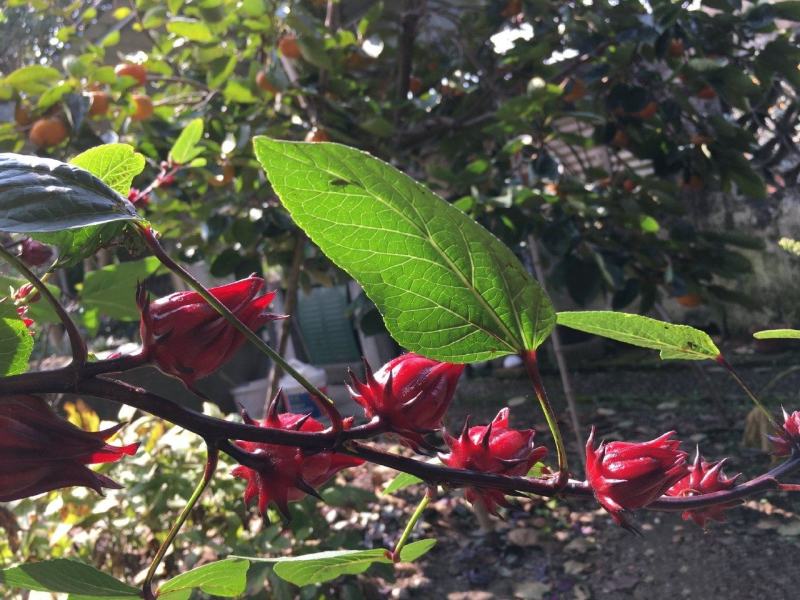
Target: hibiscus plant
(450, 293)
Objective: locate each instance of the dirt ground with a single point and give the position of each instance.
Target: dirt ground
(571, 549)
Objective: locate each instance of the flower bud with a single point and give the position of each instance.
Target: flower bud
(40, 452)
(22, 311)
(35, 254)
(493, 448)
(704, 478)
(410, 394)
(629, 475)
(287, 473)
(187, 338)
(787, 439)
(138, 198)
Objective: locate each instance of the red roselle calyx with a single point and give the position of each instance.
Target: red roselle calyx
(787, 439)
(138, 197)
(22, 311)
(35, 254)
(40, 452)
(629, 475)
(187, 338)
(409, 395)
(493, 448)
(287, 473)
(704, 478)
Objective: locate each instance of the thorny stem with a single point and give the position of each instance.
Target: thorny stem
(423, 504)
(78, 345)
(728, 367)
(220, 430)
(529, 358)
(327, 404)
(208, 473)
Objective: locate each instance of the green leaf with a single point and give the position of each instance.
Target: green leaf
(67, 577)
(400, 482)
(446, 287)
(114, 164)
(674, 341)
(34, 79)
(325, 566)
(411, 552)
(777, 334)
(76, 244)
(789, 10)
(191, 29)
(112, 290)
(185, 147)
(16, 343)
(43, 195)
(226, 578)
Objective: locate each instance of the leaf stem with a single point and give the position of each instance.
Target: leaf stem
(532, 367)
(728, 367)
(208, 473)
(423, 504)
(77, 343)
(327, 404)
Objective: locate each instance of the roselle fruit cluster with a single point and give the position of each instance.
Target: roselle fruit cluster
(40, 452)
(286, 473)
(187, 338)
(409, 395)
(493, 448)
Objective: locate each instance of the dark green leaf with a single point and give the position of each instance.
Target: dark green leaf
(45, 195)
(67, 577)
(674, 341)
(446, 287)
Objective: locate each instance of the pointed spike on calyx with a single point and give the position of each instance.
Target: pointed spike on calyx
(246, 418)
(303, 485)
(487, 436)
(301, 421)
(464, 435)
(272, 409)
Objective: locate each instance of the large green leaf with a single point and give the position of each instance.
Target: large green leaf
(185, 147)
(446, 287)
(325, 566)
(111, 291)
(67, 577)
(777, 334)
(674, 341)
(226, 578)
(44, 195)
(114, 164)
(16, 343)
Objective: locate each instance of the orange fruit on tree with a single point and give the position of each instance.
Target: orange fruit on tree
(317, 135)
(22, 116)
(675, 48)
(649, 111)
(143, 107)
(263, 82)
(289, 47)
(98, 103)
(689, 300)
(48, 132)
(138, 72)
(707, 93)
(414, 85)
(573, 90)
